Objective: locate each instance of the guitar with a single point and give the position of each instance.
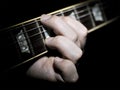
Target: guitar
(24, 42)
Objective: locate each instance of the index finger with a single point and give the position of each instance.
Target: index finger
(59, 26)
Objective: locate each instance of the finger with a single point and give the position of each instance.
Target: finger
(67, 69)
(78, 27)
(59, 26)
(65, 46)
(43, 69)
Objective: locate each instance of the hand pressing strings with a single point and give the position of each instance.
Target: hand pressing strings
(69, 40)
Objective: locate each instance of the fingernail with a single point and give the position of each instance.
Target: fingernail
(45, 17)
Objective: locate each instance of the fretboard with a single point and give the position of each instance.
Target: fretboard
(25, 41)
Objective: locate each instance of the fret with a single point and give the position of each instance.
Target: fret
(36, 37)
(26, 39)
(37, 24)
(22, 44)
(45, 30)
(70, 13)
(76, 13)
(84, 16)
(38, 44)
(15, 47)
(45, 33)
(93, 23)
(39, 29)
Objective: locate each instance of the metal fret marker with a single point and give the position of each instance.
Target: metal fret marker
(21, 39)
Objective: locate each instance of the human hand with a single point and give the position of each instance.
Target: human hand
(69, 41)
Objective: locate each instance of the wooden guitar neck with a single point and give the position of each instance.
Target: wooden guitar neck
(24, 42)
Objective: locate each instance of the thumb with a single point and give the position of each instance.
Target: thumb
(66, 69)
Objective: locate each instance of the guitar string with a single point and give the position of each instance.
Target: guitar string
(77, 7)
(39, 33)
(78, 12)
(36, 33)
(37, 28)
(32, 29)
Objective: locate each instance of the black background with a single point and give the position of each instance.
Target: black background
(98, 68)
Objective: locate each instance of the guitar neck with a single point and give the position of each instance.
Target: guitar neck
(26, 39)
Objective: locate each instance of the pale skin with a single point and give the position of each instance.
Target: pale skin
(69, 40)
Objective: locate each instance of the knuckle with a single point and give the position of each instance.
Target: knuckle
(54, 19)
(58, 40)
(74, 37)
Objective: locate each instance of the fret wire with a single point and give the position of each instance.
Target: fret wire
(32, 29)
(35, 39)
(82, 16)
(66, 8)
(24, 25)
(38, 26)
(93, 23)
(31, 22)
(42, 25)
(75, 12)
(29, 37)
(41, 31)
(30, 45)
